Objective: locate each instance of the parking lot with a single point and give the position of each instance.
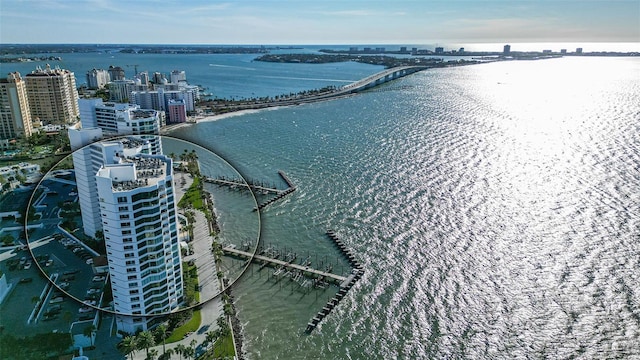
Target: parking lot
(60, 258)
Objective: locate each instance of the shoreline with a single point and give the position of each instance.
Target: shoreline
(167, 130)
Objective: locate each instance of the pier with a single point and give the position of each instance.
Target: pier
(269, 260)
(302, 273)
(355, 275)
(258, 187)
(238, 184)
(291, 188)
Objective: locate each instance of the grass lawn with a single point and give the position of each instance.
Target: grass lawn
(190, 326)
(193, 196)
(223, 347)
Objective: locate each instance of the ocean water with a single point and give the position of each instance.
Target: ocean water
(222, 75)
(495, 207)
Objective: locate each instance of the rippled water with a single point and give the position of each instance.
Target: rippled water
(495, 207)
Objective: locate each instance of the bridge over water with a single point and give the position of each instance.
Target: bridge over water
(355, 87)
(380, 78)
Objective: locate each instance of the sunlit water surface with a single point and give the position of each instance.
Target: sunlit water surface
(495, 207)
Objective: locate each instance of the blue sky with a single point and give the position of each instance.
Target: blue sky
(317, 22)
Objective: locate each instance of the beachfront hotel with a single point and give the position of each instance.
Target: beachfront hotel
(139, 220)
(15, 116)
(52, 95)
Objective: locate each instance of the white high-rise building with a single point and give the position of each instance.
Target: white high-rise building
(120, 90)
(88, 156)
(97, 78)
(98, 120)
(159, 99)
(121, 119)
(178, 76)
(139, 217)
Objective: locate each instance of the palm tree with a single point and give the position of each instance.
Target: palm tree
(88, 332)
(128, 346)
(179, 349)
(152, 354)
(161, 330)
(167, 354)
(189, 352)
(211, 336)
(145, 340)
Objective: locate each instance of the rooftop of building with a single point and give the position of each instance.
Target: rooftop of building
(142, 113)
(48, 71)
(148, 171)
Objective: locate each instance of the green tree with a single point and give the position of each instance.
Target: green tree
(161, 332)
(145, 340)
(179, 349)
(153, 353)
(8, 239)
(128, 346)
(88, 332)
(166, 355)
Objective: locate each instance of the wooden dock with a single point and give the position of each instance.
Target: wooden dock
(280, 195)
(356, 274)
(239, 184)
(276, 262)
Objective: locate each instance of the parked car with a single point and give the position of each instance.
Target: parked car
(85, 309)
(98, 278)
(26, 280)
(93, 291)
(70, 272)
(56, 300)
(27, 266)
(48, 263)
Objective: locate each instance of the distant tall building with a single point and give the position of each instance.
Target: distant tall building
(144, 78)
(439, 50)
(52, 95)
(178, 76)
(116, 73)
(159, 99)
(139, 216)
(97, 78)
(506, 49)
(177, 111)
(158, 78)
(578, 50)
(15, 115)
(120, 90)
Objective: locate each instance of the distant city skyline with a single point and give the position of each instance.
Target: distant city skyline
(309, 22)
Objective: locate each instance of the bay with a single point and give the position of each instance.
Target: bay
(494, 207)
